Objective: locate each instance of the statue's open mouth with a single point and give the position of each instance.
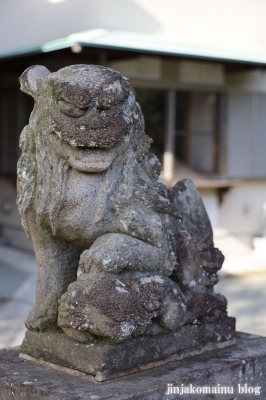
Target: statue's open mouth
(85, 158)
(95, 131)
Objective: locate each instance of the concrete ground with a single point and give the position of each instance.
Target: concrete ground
(17, 286)
(246, 296)
(242, 283)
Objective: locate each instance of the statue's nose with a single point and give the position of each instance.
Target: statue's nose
(92, 120)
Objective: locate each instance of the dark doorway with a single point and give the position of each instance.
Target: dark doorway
(152, 103)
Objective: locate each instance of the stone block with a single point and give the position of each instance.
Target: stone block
(238, 367)
(107, 361)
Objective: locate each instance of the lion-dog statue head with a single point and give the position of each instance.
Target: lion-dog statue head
(84, 117)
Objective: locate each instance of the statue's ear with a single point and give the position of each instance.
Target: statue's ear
(32, 80)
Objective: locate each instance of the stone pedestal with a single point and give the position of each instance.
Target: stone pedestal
(105, 361)
(239, 369)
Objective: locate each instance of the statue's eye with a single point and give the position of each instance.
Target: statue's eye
(104, 102)
(70, 110)
(103, 105)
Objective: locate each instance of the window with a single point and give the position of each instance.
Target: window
(196, 126)
(196, 130)
(152, 103)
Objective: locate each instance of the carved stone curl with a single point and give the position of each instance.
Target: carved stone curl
(88, 196)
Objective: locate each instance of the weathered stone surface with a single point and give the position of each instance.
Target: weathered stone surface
(116, 308)
(106, 361)
(243, 363)
(88, 196)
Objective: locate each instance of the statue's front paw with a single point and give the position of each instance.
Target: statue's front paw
(38, 320)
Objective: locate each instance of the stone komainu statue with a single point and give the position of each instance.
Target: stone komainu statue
(88, 196)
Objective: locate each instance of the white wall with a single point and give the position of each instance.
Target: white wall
(32, 22)
(246, 125)
(234, 25)
(238, 24)
(210, 201)
(241, 210)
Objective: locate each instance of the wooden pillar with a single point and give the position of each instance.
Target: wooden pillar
(103, 59)
(169, 143)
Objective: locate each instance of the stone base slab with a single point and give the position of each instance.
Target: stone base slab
(108, 361)
(241, 367)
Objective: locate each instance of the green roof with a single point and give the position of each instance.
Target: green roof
(146, 43)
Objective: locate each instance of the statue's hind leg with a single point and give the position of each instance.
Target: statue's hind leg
(57, 263)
